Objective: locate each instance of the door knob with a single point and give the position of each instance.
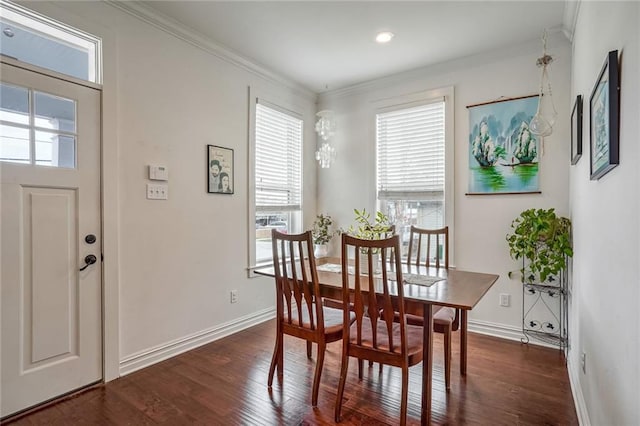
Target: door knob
(89, 260)
(90, 239)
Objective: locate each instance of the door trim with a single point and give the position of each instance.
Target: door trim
(109, 215)
(110, 202)
(49, 73)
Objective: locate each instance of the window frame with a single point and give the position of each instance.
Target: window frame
(413, 100)
(257, 96)
(62, 33)
(33, 129)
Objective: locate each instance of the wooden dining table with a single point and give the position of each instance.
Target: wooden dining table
(457, 289)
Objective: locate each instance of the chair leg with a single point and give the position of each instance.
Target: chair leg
(276, 359)
(379, 367)
(405, 391)
(447, 358)
(309, 349)
(316, 378)
(343, 379)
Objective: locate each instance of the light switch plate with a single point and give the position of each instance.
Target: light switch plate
(157, 192)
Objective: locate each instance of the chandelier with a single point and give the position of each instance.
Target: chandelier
(326, 155)
(542, 123)
(326, 128)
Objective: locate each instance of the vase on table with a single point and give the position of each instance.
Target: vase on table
(320, 250)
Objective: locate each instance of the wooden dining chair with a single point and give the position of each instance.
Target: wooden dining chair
(299, 309)
(435, 253)
(374, 335)
(391, 229)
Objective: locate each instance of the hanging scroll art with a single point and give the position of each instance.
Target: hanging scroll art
(503, 153)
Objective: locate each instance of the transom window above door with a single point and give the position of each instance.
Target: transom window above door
(37, 40)
(37, 128)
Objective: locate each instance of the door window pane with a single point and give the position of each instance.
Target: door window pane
(47, 128)
(14, 104)
(14, 144)
(55, 150)
(55, 113)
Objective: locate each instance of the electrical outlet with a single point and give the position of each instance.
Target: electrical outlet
(505, 299)
(234, 296)
(583, 362)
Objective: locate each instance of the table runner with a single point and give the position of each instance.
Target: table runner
(424, 280)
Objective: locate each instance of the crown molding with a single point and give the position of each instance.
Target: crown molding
(570, 18)
(188, 35)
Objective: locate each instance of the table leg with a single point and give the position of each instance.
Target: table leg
(427, 364)
(463, 342)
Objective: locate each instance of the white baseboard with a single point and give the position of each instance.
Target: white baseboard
(578, 396)
(508, 332)
(159, 353)
(494, 329)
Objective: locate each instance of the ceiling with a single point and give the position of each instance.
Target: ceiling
(330, 45)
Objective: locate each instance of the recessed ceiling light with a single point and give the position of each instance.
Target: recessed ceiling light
(384, 37)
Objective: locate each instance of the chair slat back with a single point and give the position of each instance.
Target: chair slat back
(297, 288)
(436, 247)
(373, 292)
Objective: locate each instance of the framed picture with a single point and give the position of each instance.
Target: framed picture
(219, 170)
(576, 130)
(604, 116)
(503, 153)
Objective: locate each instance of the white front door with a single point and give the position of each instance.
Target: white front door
(50, 213)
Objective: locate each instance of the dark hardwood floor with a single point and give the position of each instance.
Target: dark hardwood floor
(225, 383)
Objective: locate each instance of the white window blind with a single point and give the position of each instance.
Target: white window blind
(411, 160)
(278, 160)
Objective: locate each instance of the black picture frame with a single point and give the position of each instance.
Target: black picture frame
(604, 119)
(576, 130)
(220, 161)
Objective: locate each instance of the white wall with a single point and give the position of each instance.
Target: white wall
(178, 259)
(481, 222)
(605, 213)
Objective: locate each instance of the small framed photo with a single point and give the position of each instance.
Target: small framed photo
(219, 170)
(576, 130)
(604, 116)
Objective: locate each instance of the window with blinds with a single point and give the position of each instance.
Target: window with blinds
(278, 176)
(411, 166)
(278, 160)
(411, 153)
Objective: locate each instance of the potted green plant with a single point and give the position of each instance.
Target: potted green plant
(322, 234)
(366, 229)
(542, 240)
